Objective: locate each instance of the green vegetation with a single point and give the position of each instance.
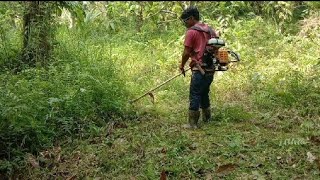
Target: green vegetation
(64, 111)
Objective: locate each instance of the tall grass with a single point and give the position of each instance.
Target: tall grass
(80, 89)
(276, 70)
(95, 72)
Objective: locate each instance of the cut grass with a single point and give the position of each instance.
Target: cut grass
(253, 148)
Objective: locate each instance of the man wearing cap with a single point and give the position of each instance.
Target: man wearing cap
(196, 38)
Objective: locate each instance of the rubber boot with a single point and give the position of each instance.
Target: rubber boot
(206, 114)
(193, 120)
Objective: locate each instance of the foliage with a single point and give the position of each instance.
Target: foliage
(78, 91)
(107, 53)
(11, 40)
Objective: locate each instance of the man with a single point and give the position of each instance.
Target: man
(196, 38)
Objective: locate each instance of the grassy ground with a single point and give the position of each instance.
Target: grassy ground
(265, 117)
(263, 147)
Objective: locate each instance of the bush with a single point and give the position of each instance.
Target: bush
(40, 105)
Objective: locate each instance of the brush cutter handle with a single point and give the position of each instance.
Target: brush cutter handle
(132, 101)
(235, 55)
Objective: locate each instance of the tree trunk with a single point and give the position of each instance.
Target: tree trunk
(140, 17)
(36, 33)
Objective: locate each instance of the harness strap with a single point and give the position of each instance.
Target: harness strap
(209, 31)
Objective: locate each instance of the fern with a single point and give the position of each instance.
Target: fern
(293, 141)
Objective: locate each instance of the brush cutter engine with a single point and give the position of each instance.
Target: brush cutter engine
(216, 54)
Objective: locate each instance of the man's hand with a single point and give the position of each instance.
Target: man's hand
(181, 67)
(185, 56)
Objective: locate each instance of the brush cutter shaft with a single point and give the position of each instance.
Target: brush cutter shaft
(158, 86)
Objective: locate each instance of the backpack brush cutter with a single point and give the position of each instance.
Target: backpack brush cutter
(215, 53)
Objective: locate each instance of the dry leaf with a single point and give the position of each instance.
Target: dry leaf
(46, 154)
(200, 171)
(242, 156)
(57, 149)
(217, 144)
(110, 130)
(152, 97)
(310, 157)
(270, 126)
(163, 150)
(120, 125)
(33, 161)
(315, 139)
(163, 175)
(318, 163)
(225, 169)
(193, 146)
(256, 165)
(252, 142)
(58, 158)
(257, 175)
(208, 177)
(72, 177)
(141, 153)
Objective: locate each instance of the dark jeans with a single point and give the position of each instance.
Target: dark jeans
(199, 90)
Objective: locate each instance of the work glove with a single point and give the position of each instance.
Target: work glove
(182, 70)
